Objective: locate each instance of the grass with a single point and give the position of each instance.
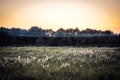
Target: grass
(59, 63)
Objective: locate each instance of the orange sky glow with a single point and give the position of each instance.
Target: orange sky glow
(54, 14)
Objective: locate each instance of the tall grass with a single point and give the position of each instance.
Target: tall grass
(59, 63)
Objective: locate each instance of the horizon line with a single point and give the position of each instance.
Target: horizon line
(59, 28)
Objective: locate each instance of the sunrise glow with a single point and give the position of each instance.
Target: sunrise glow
(54, 14)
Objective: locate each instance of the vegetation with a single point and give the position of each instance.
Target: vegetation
(59, 63)
(69, 37)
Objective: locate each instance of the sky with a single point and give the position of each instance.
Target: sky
(54, 14)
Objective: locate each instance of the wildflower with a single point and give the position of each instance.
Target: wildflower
(63, 65)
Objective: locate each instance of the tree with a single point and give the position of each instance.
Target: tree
(108, 32)
(39, 41)
(77, 30)
(35, 29)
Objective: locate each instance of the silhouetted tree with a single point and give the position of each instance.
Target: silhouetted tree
(39, 41)
(12, 37)
(35, 29)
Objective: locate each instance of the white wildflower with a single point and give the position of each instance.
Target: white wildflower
(65, 65)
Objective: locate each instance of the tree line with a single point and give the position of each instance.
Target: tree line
(110, 41)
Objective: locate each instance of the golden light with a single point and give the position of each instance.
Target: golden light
(57, 14)
(62, 15)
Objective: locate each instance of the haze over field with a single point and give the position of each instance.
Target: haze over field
(54, 14)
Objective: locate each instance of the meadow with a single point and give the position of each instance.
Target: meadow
(59, 63)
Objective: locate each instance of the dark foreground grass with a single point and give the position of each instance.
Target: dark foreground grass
(102, 65)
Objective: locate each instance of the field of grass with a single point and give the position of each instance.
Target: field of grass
(59, 63)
